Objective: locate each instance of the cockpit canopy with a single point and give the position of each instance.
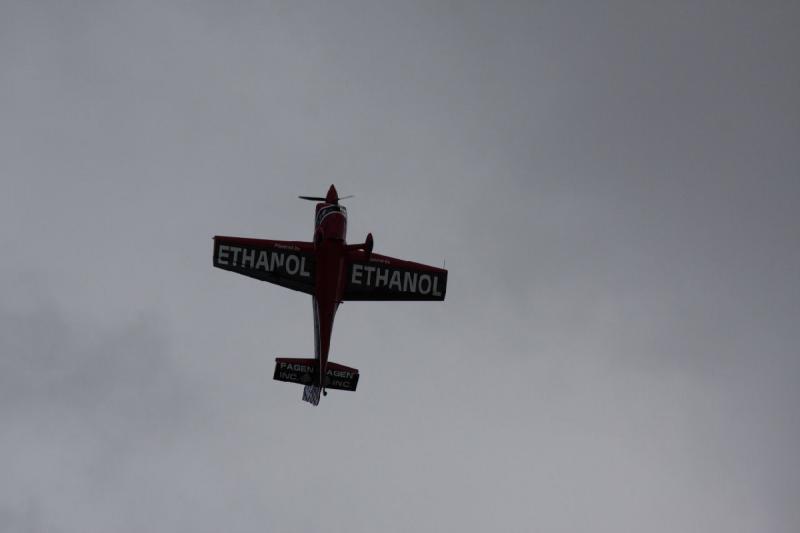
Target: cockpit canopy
(329, 209)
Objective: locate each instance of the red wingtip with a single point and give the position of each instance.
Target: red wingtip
(333, 196)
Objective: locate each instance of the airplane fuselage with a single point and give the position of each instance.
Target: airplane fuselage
(330, 231)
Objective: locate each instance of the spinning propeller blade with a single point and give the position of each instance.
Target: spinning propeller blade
(332, 198)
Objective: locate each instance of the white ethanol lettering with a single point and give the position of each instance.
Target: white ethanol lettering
(395, 282)
(248, 256)
(410, 282)
(381, 277)
(355, 278)
(263, 261)
(303, 272)
(292, 266)
(436, 286)
(369, 270)
(235, 250)
(276, 261)
(424, 278)
(222, 254)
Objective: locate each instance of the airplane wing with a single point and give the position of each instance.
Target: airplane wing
(289, 264)
(379, 277)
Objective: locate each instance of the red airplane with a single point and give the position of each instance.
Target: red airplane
(331, 271)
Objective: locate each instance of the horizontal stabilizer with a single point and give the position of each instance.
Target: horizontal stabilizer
(302, 371)
(306, 372)
(340, 377)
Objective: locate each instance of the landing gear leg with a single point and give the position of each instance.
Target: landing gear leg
(324, 392)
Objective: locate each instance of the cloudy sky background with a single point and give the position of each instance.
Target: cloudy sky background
(614, 188)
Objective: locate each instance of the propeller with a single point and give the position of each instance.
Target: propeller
(331, 198)
(321, 199)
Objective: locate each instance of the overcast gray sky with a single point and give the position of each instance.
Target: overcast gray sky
(614, 187)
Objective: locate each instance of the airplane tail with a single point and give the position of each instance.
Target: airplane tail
(306, 372)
